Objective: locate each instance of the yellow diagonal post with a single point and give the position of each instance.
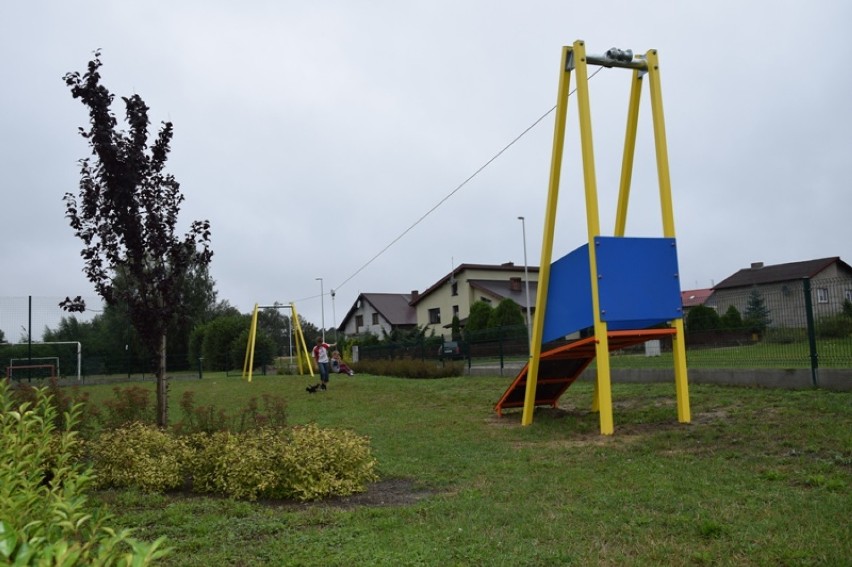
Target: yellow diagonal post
(300, 341)
(629, 153)
(547, 238)
(248, 363)
(603, 398)
(661, 149)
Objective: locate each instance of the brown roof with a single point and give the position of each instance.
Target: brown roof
(694, 297)
(760, 274)
(503, 288)
(508, 267)
(394, 307)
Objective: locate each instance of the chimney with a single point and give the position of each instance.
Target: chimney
(514, 284)
(414, 295)
(756, 265)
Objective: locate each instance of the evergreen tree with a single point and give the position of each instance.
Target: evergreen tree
(702, 318)
(480, 315)
(756, 317)
(732, 320)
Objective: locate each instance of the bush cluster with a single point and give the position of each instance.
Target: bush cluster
(45, 517)
(302, 463)
(409, 368)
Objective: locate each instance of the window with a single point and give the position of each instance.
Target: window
(849, 295)
(454, 289)
(455, 310)
(359, 322)
(375, 318)
(485, 299)
(822, 295)
(434, 316)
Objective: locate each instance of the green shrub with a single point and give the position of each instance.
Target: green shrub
(307, 464)
(129, 405)
(408, 368)
(836, 327)
(324, 462)
(45, 518)
(237, 465)
(139, 455)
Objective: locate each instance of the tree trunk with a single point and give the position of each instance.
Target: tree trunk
(162, 386)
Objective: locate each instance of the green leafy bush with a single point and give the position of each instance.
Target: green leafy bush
(408, 368)
(324, 462)
(239, 465)
(139, 455)
(308, 463)
(836, 327)
(45, 518)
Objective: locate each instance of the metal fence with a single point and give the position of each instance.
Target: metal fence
(796, 324)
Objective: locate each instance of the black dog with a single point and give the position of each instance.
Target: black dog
(313, 389)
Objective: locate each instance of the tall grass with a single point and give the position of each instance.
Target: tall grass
(760, 477)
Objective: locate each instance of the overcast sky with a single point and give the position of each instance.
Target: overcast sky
(314, 134)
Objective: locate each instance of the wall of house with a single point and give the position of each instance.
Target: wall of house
(444, 300)
(366, 311)
(786, 300)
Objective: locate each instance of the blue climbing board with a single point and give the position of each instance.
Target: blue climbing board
(638, 284)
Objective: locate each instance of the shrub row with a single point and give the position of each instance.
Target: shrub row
(409, 368)
(302, 463)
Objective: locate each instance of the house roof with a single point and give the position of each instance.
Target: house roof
(394, 307)
(503, 288)
(508, 267)
(760, 274)
(695, 297)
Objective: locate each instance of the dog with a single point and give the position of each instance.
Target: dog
(313, 389)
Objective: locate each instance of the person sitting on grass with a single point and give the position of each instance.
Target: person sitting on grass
(337, 365)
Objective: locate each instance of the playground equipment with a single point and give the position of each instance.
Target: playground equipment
(301, 346)
(625, 289)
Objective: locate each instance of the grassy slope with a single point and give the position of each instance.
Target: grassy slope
(761, 477)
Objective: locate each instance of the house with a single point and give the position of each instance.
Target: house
(379, 313)
(693, 298)
(782, 287)
(453, 294)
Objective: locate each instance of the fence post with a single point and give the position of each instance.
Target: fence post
(809, 312)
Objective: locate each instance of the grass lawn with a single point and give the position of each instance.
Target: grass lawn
(760, 477)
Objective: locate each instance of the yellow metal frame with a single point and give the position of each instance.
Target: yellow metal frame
(301, 346)
(574, 59)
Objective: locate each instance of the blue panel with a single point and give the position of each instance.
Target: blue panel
(638, 281)
(569, 296)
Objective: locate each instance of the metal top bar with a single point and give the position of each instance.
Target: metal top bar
(615, 57)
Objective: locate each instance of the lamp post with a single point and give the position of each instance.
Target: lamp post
(333, 316)
(322, 308)
(527, 280)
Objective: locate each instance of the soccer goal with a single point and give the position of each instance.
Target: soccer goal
(43, 360)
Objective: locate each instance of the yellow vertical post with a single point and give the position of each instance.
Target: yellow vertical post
(660, 146)
(248, 363)
(629, 153)
(547, 239)
(604, 386)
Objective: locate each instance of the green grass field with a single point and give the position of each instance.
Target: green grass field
(760, 477)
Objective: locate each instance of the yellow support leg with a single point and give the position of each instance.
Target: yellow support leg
(547, 239)
(681, 382)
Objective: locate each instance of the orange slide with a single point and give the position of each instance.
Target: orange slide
(559, 367)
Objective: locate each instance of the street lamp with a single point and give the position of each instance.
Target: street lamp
(527, 280)
(322, 308)
(333, 316)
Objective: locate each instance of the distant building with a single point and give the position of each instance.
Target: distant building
(453, 294)
(781, 287)
(379, 313)
(693, 298)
